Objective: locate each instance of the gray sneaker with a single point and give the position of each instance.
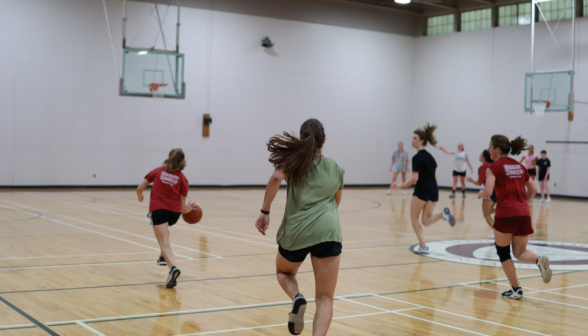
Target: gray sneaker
(421, 250)
(546, 272)
(296, 319)
(447, 216)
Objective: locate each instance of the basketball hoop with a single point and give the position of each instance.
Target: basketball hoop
(539, 107)
(158, 90)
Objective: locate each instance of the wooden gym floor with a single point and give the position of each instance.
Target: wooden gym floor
(83, 263)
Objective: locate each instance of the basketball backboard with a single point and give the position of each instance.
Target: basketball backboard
(142, 68)
(553, 87)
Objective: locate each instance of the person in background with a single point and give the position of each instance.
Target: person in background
(460, 169)
(544, 171)
(400, 164)
(488, 203)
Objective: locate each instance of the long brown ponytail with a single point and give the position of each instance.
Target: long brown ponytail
(426, 134)
(294, 156)
(175, 162)
(514, 147)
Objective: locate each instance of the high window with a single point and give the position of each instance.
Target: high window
(517, 14)
(553, 10)
(476, 19)
(442, 24)
(585, 8)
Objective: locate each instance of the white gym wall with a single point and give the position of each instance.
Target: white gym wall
(63, 121)
(370, 82)
(472, 84)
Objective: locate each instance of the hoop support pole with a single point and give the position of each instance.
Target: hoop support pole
(124, 24)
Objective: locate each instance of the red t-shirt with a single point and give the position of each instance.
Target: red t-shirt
(482, 172)
(167, 188)
(510, 188)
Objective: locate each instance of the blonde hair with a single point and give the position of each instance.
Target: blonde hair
(175, 162)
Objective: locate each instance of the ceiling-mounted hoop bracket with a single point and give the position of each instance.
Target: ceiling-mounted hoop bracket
(535, 6)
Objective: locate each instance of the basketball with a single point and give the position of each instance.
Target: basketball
(193, 216)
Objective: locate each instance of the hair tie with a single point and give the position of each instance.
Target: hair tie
(311, 134)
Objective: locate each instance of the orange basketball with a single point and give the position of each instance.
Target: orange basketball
(193, 216)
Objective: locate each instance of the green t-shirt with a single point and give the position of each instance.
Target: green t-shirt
(311, 215)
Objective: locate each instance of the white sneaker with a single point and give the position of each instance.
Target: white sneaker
(491, 236)
(546, 272)
(404, 192)
(421, 250)
(542, 200)
(388, 192)
(548, 200)
(515, 294)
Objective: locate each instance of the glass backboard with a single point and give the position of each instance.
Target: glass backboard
(141, 68)
(554, 87)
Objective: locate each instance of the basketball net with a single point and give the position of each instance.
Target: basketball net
(158, 90)
(539, 108)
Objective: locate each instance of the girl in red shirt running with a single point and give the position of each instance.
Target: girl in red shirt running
(167, 202)
(512, 223)
(488, 203)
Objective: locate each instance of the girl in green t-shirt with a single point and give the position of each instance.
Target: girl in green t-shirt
(311, 220)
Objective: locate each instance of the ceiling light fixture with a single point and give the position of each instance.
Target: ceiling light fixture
(404, 2)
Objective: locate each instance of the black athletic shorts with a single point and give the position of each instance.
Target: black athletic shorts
(161, 216)
(322, 250)
(456, 173)
(427, 197)
(542, 177)
(532, 172)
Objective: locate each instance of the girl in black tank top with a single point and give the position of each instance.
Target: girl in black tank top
(426, 193)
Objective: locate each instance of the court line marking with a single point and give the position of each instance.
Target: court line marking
(239, 233)
(79, 255)
(95, 207)
(108, 228)
(274, 325)
(181, 312)
(90, 328)
(98, 206)
(95, 264)
(142, 218)
(465, 316)
(29, 317)
(525, 296)
(481, 282)
(576, 286)
(97, 232)
(270, 304)
(30, 232)
(187, 228)
(442, 324)
(418, 318)
(208, 279)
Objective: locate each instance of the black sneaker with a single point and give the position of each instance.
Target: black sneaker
(161, 261)
(463, 195)
(513, 293)
(174, 273)
(296, 319)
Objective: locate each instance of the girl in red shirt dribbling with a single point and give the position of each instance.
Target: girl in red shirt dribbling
(166, 205)
(512, 222)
